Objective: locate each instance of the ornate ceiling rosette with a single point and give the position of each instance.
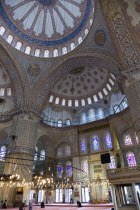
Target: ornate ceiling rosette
(46, 28)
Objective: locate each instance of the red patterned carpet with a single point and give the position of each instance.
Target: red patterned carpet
(72, 207)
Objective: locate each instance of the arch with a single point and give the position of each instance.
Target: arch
(64, 150)
(9, 39)
(108, 141)
(37, 52)
(2, 30)
(18, 45)
(55, 53)
(28, 50)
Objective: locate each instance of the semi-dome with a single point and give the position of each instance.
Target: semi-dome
(45, 28)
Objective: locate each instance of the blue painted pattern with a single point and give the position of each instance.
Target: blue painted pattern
(47, 2)
(48, 43)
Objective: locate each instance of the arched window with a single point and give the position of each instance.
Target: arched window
(83, 145)
(52, 122)
(57, 100)
(91, 115)
(89, 100)
(80, 40)
(84, 165)
(83, 118)
(108, 86)
(127, 140)
(60, 152)
(91, 21)
(18, 45)
(105, 91)
(2, 153)
(108, 141)
(63, 102)
(9, 91)
(100, 95)
(59, 170)
(55, 53)
(51, 99)
(69, 102)
(137, 139)
(86, 31)
(46, 53)
(95, 98)
(37, 52)
(68, 169)
(83, 102)
(59, 123)
(76, 103)
(2, 30)
(131, 159)
(67, 150)
(2, 91)
(72, 46)
(9, 39)
(112, 163)
(28, 50)
(95, 143)
(68, 122)
(64, 50)
(42, 155)
(36, 150)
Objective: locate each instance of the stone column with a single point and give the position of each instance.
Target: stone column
(132, 91)
(21, 151)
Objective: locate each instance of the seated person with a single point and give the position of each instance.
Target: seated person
(79, 204)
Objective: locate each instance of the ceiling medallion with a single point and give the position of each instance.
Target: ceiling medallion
(47, 2)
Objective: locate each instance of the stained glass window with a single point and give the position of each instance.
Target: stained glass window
(67, 150)
(84, 166)
(83, 145)
(36, 150)
(127, 140)
(131, 159)
(95, 143)
(2, 153)
(112, 163)
(59, 170)
(137, 139)
(42, 155)
(108, 140)
(68, 169)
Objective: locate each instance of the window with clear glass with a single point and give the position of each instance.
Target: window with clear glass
(112, 163)
(68, 194)
(59, 170)
(91, 115)
(85, 194)
(127, 140)
(131, 159)
(67, 150)
(83, 118)
(137, 139)
(83, 145)
(68, 169)
(36, 150)
(95, 143)
(100, 113)
(84, 166)
(2, 153)
(59, 123)
(60, 152)
(59, 195)
(1, 91)
(42, 155)
(68, 122)
(9, 91)
(108, 140)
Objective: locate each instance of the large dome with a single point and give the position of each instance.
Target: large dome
(45, 28)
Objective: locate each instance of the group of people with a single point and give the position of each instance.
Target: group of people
(3, 204)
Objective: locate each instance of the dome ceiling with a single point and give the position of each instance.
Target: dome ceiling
(86, 83)
(51, 24)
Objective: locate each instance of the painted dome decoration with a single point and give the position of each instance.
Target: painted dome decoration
(45, 28)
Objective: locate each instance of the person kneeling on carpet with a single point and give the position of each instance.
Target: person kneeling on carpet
(79, 204)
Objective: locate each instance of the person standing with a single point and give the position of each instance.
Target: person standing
(4, 205)
(1, 204)
(30, 205)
